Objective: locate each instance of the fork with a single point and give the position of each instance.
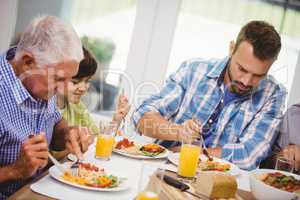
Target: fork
(57, 164)
(205, 151)
(76, 164)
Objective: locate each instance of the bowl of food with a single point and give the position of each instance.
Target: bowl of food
(268, 184)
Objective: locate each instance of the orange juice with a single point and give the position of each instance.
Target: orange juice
(188, 160)
(147, 195)
(104, 146)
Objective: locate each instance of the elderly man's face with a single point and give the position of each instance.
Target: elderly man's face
(44, 81)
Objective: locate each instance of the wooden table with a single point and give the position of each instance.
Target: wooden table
(26, 193)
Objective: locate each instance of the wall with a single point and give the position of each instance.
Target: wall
(294, 96)
(28, 9)
(8, 12)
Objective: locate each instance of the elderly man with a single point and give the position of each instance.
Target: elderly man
(231, 101)
(46, 57)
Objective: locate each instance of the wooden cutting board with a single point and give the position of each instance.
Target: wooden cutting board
(167, 192)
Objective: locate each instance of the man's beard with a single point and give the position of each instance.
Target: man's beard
(237, 87)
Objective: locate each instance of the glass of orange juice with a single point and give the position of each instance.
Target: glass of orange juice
(105, 140)
(189, 157)
(147, 195)
(149, 185)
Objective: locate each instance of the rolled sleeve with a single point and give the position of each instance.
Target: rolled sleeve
(256, 142)
(167, 102)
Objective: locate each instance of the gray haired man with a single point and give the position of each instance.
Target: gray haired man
(46, 57)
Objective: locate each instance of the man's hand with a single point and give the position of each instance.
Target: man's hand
(190, 130)
(292, 152)
(78, 140)
(33, 156)
(215, 152)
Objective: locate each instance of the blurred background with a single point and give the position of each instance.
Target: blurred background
(139, 43)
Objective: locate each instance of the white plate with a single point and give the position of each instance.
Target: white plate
(165, 154)
(159, 156)
(56, 174)
(234, 170)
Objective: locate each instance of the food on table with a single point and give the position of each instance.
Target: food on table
(133, 148)
(152, 149)
(120, 132)
(214, 166)
(125, 143)
(90, 175)
(89, 170)
(216, 185)
(281, 181)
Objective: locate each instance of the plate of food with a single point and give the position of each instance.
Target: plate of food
(90, 177)
(205, 165)
(269, 184)
(130, 148)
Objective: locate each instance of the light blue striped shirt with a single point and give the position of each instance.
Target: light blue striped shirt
(245, 128)
(20, 116)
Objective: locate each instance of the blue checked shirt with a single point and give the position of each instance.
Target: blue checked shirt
(245, 127)
(20, 116)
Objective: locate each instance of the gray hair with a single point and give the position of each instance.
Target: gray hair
(50, 40)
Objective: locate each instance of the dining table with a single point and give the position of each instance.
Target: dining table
(45, 187)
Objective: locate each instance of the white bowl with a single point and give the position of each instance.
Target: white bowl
(262, 191)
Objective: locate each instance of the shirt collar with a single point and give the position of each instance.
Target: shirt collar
(218, 68)
(20, 93)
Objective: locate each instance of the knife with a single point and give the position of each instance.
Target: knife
(182, 187)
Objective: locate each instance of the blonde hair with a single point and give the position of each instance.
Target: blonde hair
(50, 40)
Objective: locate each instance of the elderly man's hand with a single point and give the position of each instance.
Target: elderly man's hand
(190, 129)
(33, 156)
(78, 140)
(292, 152)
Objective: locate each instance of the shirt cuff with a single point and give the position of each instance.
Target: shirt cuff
(227, 153)
(140, 112)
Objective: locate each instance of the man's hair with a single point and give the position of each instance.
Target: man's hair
(263, 37)
(87, 66)
(50, 40)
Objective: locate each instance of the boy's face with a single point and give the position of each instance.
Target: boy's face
(75, 89)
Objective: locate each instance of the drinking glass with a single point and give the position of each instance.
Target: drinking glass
(284, 164)
(149, 185)
(105, 140)
(189, 157)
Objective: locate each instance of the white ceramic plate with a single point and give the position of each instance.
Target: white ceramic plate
(56, 174)
(234, 170)
(165, 154)
(159, 156)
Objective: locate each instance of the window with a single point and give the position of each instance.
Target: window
(205, 29)
(105, 27)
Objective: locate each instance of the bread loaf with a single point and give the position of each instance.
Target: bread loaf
(216, 185)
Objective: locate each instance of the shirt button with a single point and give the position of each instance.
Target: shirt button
(210, 121)
(222, 101)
